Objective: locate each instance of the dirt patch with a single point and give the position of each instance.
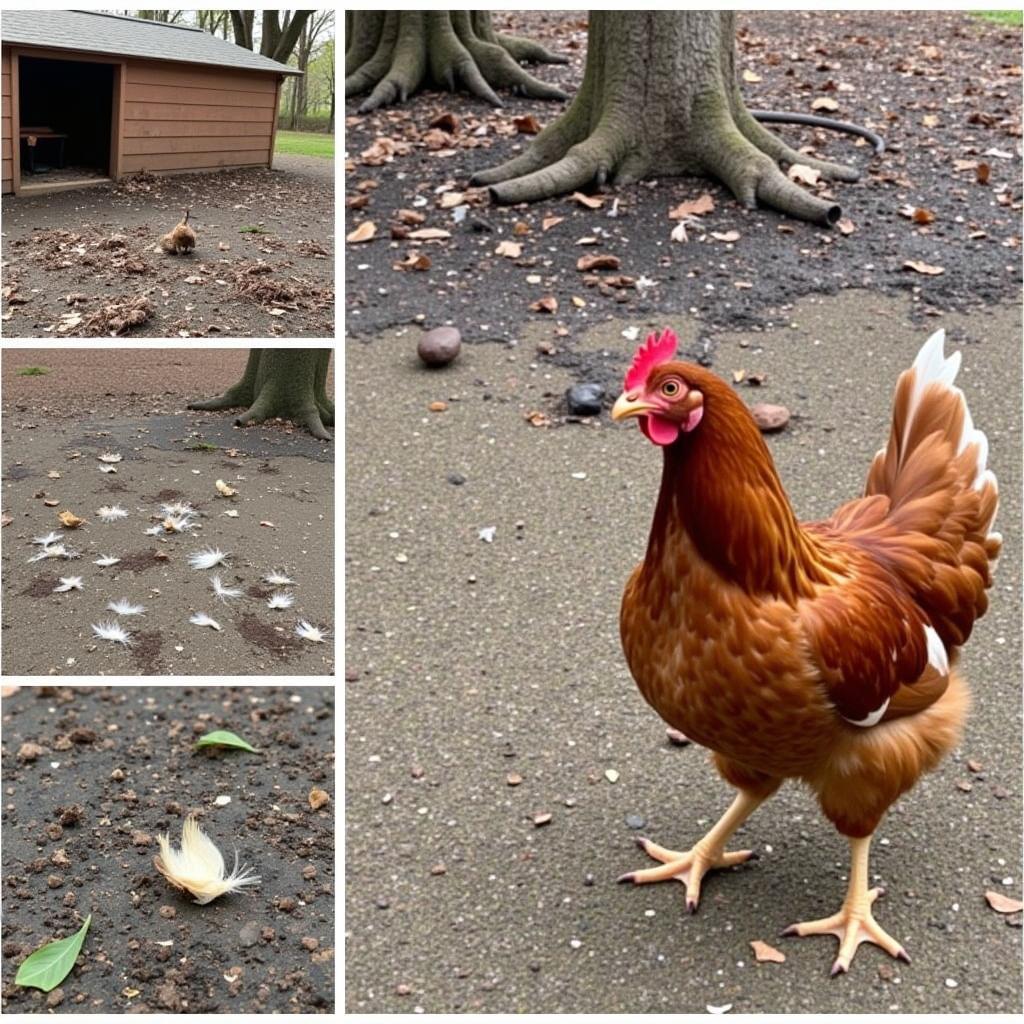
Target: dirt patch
(146, 652)
(258, 592)
(41, 586)
(87, 244)
(267, 638)
(140, 561)
(164, 496)
(266, 467)
(80, 828)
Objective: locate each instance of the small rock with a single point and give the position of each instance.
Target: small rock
(55, 998)
(514, 779)
(310, 943)
(584, 399)
(588, 879)
(317, 798)
(402, 990)
(59, 858)
(249, 934)
(439, 346)
(309, 872)
(141, 839)
(769, 418)
(55, 881)
(117, 775)
(635, 821)
(30, 751)
(457, 479)
(542, 819)
(267, 933)
(82, 735)
(611, 775)
(70, 899)
(437, 407)
(439, 869)
(54, 831)
(286, 903)
(168, 912)
(71, 815)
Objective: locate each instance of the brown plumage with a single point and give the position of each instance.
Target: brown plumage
(818, 651)
(181, 239)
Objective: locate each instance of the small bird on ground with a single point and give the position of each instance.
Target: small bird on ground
(181, 240)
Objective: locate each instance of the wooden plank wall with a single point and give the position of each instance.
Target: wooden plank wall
(5, 121)
(185, 117)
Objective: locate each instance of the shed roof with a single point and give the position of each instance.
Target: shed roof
(94, 32)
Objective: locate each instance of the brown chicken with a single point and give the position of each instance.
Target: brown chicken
(819, 651)
(181, 240)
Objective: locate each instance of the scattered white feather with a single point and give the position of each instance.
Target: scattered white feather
(51, 538)
(106, 561)
(224, 592)
(54, 551)
(109, 457)
(281, 600)
(198, 867)
(309, 632)
(202, 619)
(68, 583)
(125, 607)
(208, 558)
(154, 531)
(108, 469)
(178, 508)
(112, 631)
(278, 579)
(111, 513)
(178, 524)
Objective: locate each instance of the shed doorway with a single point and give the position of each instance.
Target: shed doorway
(65, 120)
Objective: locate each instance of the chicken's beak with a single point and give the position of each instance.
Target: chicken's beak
(627, 405)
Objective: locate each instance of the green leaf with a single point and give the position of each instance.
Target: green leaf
(222, 738)
(47, 967)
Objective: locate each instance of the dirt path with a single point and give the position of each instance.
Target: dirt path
(117, 767)
(265, 243)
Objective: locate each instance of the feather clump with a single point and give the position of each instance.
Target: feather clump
(110, 457)
(111, 513)
(314, 634)
(224, 592)
(69, 583)
(281, 600)
(105, 561)
(202, 619)
(125, 607)
(207, 558)
(278, 579)
(112, 631)
(51, 538)
(54, 551)
(198, 867)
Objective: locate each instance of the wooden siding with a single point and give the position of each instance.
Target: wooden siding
(184, 117)
(5, 122)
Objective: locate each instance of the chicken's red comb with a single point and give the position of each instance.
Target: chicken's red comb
(654, 351)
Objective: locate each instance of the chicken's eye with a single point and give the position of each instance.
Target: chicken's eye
(670, 388)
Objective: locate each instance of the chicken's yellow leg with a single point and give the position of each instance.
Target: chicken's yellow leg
(854, 923)
(690, 866)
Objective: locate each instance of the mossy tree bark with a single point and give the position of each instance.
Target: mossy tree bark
(290, 383)
(660, 97)
(392, 54)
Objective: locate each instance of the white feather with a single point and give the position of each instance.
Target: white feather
(111, 513)
(106, 561)
(112, 631)
(224, 592)
(178, 508)
(202, 619)
(68, 583)
(198, 866)
(51, 538)
(109, 457)
(309, 632)
(124, 607)
(108, 469)
(54, 551)
(281, 600)
(208, 558)
(278, 579)
(154, 531)
(178, 524)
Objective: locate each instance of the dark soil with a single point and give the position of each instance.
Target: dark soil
(940, 86)
(118, 768)
(78, 261)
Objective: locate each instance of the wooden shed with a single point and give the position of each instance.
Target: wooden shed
(90, 97)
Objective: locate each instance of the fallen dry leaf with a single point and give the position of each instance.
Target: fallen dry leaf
(982, 173)
(223, 488)
(598, 261)
(317, 798)
(590, 202)
(803, 174)
(824, 103)
(411, 216)
(414, 261)
(548, 304)
(363, 233)
(765, 954)
(1003, 904)
(447, 122)
(549, 222)
(537, 418)
(846, 226)
(918, 214)
(693, 207)
(751, 76)
(726, 236)
(69, 519)
(449, 200)
(510, 250)
(430, 234)
(923, 268)
(528, 125)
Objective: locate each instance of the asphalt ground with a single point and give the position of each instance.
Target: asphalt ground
(468, 661)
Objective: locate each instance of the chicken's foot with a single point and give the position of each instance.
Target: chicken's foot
(690, 866)
(854, 923)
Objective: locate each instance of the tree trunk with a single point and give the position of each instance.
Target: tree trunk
(290, 383)
(241, 23)
(660, 97)
(278, 40)
(392, 54)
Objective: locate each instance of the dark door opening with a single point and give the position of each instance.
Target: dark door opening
(65, 110)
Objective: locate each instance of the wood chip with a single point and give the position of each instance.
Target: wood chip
(363, 233)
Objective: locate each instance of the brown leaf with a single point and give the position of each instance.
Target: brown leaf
(1003, 904)
(414, 261)
(357, 202)
(846, 226)
(69, 519)
(528, 125)
(447, 122)
(598, 261)
(923, 268)
(411, 216)
(536, 418)
(549, 222)
(548, 304)
(449, 200)
(430, 234)
(510, 250)
(363, 233)
(803, 174)
(590, 202)
(824, 103)
(765, 954)
(520, 228)
(726, 236)
(693, 207)
(983, 172)
(750, 76)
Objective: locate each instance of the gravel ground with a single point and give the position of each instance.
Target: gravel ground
(274, 228)
(468, 661)
(118, 765)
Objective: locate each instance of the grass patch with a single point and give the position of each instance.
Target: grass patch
(33, 371)
(251, 229)
(1008, 18)
(199, 446)
(305, 144)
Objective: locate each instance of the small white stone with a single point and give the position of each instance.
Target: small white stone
(222, 800)
(951, 983)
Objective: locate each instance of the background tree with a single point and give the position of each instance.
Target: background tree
(278, 37)
(675, 110)
(305, 48)
(392, 54)
(290, 383)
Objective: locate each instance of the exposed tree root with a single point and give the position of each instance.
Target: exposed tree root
(393, 54)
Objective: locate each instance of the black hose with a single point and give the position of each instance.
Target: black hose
(786, 117)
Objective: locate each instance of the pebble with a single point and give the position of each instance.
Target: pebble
(249, 933)
(439, 346)
(117, 774)
(952, 983)
(588, 879)
(55, 881)
(55, 998)
(29, 751)
(439, 869)
(514, 779)
(222, 801)
(542, 819)
(168, 912)
(456, 479)
(141, 839)
(309, 872)
(286, 903)
(611, 775)
(769, 418)
(310, 943)
(59, 858)
(584, 399)
(636, 820)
